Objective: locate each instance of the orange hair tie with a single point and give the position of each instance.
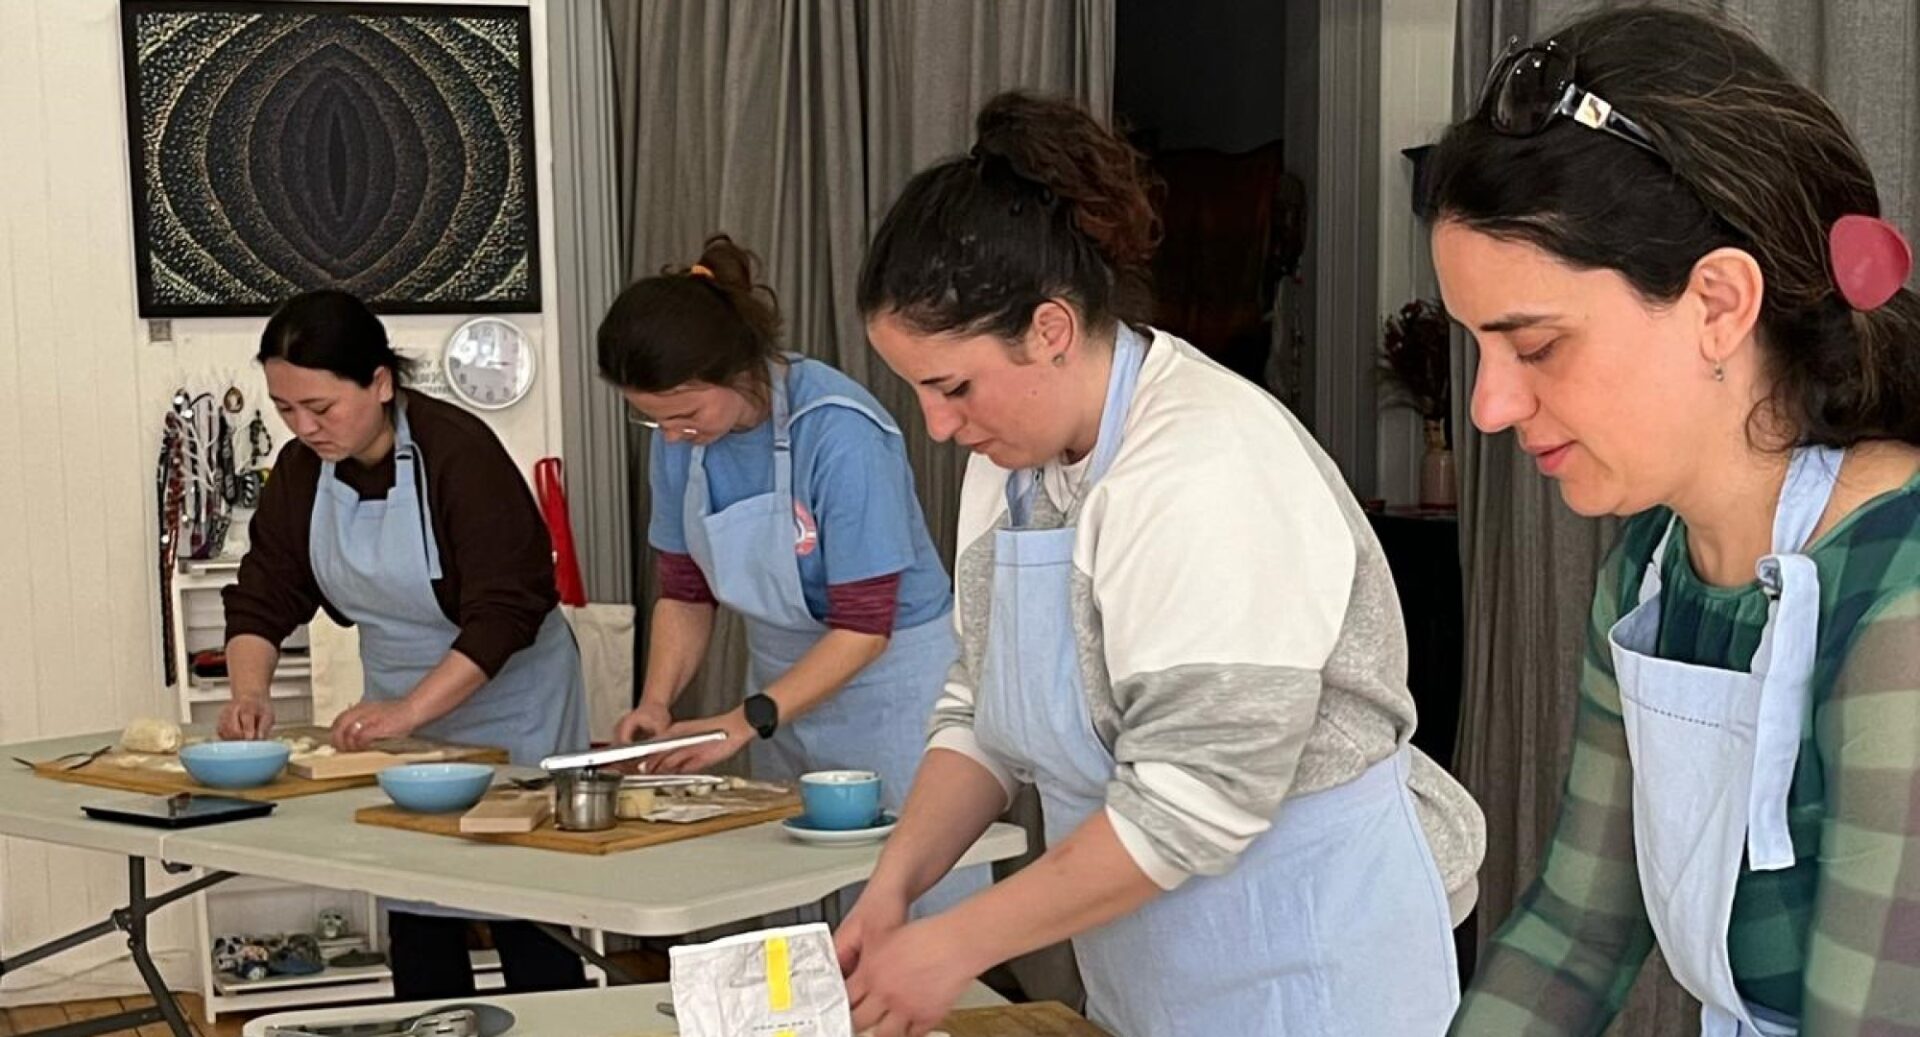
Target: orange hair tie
(700, 270)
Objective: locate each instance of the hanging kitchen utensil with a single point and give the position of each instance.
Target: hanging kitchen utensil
(170, 505)
(252, 477)
(550, 487)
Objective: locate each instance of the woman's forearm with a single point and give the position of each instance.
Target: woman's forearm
(677, 641)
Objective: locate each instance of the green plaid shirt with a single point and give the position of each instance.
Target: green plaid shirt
(1834, 940)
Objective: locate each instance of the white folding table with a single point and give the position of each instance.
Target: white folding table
(666, 890)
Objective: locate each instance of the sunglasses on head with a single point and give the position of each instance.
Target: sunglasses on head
(1530, 87)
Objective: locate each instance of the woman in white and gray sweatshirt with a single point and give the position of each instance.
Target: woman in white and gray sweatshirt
(1175, 622)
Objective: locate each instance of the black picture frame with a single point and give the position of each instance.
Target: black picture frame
(512, 239)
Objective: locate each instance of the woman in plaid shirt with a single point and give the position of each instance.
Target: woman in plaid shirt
(1687, 307)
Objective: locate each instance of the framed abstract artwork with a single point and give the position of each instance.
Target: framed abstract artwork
(383, 149)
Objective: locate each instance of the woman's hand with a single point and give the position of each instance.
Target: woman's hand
(246, 717)
(359, 727)
(643, 723)
(908, 980)
(875, 916)
(701, 758)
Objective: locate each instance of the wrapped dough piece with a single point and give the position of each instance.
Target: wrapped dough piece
(151, 735)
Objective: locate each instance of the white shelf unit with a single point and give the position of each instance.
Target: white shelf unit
(200, 623)
(247, 906)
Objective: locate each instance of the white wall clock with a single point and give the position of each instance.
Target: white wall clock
(489, 363)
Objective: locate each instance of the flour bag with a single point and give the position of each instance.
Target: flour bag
(773, 983)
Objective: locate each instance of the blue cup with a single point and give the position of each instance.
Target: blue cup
(841, 801)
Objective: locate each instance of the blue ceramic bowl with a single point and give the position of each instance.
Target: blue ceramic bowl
(234, 765)
(436, 788)
(840, 801)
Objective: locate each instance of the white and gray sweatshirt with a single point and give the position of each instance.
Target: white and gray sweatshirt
(1239, 636)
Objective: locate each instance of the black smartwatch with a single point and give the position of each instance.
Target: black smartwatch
(763, 715)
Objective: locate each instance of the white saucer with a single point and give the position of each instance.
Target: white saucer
(806, 833)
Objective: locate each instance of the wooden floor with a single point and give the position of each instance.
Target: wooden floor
(39, 1017)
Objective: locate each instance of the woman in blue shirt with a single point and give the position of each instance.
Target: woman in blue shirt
(780, 489)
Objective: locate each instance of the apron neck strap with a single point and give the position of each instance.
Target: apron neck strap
(402, 430)
(1650, 580)
(1811, 476)
(406, 451)
(782, 418)
(1804, 496)
(1129, 355)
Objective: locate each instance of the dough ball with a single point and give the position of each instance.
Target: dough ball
(633, 804)
(151, 735)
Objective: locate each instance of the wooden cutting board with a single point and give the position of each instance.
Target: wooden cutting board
(1041, 1019)
(393, 753)
(626, 835)
(107, 771)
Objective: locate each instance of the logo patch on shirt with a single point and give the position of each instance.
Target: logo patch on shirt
(806, 534)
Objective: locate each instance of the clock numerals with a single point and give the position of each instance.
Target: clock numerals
(489, 363)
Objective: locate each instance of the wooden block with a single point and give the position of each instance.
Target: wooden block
(513, 813)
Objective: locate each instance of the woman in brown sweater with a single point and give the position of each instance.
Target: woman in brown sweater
(405, 517)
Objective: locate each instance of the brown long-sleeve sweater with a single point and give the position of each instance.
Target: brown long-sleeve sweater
(495, 555)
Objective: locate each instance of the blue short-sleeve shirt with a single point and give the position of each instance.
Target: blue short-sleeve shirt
(851, 476)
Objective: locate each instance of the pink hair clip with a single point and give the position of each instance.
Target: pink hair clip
(1871, 260)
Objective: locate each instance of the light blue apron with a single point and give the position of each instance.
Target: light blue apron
(1333, 924)
(1713, 753)
(878, 720)
(376, 561)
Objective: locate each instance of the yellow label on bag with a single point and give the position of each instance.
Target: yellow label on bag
(779, 975)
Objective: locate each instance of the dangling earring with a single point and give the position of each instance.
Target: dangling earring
(1719, 371)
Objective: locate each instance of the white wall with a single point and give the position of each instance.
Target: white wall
(1416, 103)
(81, 394)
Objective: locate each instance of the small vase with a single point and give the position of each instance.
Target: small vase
(1438, 479)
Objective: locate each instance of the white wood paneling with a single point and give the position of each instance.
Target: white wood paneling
(81, 394)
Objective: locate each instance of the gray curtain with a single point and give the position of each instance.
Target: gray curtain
(791, 125)
(1529, 561)
(588, 262)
